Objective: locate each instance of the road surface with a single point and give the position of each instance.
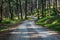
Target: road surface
(29, 31)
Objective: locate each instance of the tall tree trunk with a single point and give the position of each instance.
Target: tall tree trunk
(37, 9)
(49, 8)
(17, 8)
(31, 6)
(21, 10)
(25, 9)
(44, 3)
(42, 9)
(1, 11)
(55, 7)
(10, 11)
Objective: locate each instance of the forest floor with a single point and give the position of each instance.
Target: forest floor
(28, 30)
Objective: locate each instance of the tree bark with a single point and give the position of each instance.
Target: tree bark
(17, 8)
(10, 11)
(1, 11)
(21, 10)
(25, 9)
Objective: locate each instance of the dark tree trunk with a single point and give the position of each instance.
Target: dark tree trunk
(10, 11)
(49, 8)
(21, 10)
(42, 9)
(37, 9)
(31, 6)
(17, 8)
(25, 9)
(1, 11)
(55, 7)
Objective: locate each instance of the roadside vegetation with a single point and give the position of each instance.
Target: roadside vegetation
(50, 16)
(51, 22)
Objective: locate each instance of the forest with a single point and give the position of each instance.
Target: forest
(46, 11)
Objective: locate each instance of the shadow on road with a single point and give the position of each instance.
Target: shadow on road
(29, 31)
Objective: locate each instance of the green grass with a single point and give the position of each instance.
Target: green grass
(7, 21)
(42, 20)
(50, 22)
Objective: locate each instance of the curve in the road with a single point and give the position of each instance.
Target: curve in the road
(29, 31)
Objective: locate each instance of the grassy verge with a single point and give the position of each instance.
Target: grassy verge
(8, 23)
(50, 22)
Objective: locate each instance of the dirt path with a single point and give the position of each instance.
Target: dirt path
(29, 31)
